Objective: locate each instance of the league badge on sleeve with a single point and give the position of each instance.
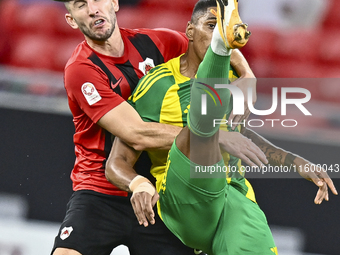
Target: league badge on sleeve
(146, 65)
(90, 93)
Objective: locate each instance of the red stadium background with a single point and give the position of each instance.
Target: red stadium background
(36, 131)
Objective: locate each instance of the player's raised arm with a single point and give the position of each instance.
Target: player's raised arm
(278, 156)
(246, 80)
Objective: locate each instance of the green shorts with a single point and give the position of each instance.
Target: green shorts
(210, 214)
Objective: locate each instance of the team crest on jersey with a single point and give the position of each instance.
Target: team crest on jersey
(65, 232)
(146, 65)
(90, 93)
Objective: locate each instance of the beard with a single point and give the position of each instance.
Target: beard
(102, 36)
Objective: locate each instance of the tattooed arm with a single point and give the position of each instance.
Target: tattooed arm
(278, 156)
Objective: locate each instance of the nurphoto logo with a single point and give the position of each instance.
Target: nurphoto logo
(239, 101)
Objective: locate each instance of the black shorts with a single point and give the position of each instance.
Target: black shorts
(96, 223)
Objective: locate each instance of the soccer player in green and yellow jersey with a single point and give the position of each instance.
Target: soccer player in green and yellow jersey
(164, 96)
(212, 214)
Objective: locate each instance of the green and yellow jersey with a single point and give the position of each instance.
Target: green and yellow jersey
(163, 95)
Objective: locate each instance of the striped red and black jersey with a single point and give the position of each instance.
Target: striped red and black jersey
(96, 83)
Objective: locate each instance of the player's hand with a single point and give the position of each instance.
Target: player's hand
(142, 204)
(242, 147)
(319, 176)
(243, 84)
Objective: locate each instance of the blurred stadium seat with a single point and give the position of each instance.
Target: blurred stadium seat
(330, 51)
(262, 42)
(332, 19)
(299, 45)
(37, 36)
(145, 18)
(33, 51)
(293, 69)
(37, 18)
(8, 13)
(179, 6)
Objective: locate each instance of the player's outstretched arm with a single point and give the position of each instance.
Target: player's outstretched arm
(278, 156)
(246, 80)
(119, 171)
(124, 122)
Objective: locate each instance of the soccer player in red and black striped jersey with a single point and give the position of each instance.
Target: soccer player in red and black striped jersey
(100, 75)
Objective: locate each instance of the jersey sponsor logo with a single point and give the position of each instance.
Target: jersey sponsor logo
(146, 65)
(90, 93)
(66, 232)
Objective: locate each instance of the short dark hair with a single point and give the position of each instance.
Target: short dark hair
(201, 7)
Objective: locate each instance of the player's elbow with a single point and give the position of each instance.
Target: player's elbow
(111, 167)
(138, 140)
(140, 144)
(113, 172)
(109, 170)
